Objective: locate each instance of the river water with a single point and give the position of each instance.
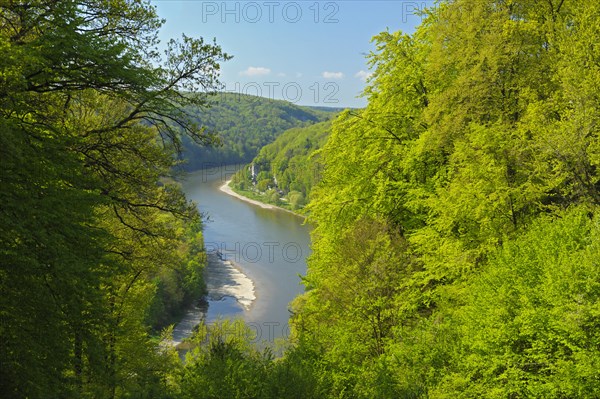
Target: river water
(266, 245)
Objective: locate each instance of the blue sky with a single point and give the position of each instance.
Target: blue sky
(306, 52)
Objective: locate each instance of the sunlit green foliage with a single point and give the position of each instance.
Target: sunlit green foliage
(291, 164)
(91, 234)
(481, 129)
(530, 325)
(245, 124)
(224, 362)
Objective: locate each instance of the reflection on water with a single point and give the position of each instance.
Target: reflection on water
(224, 306)
(269, 247)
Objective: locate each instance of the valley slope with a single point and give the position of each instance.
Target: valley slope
(284, 172)
(244, 124)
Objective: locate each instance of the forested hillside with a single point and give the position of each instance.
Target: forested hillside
(456, 239)
(455, 242)
(455, 249)
(244, 124)
(288, 168)
(97, 248)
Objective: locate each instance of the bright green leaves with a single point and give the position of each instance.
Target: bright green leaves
(291, 164)
(358, 291)
(368, 151)
(564, 127)
(87, 224)
(480, 122)
(223, 364)
(531, 319)
(487, 194)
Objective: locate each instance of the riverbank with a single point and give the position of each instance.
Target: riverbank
(224, 279)
(226, 188)
(242, 234)
(225, 282)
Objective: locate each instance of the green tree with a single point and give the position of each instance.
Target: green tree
(264, 184)
(530, 324)
(349, 315)
(477, 124)
(273, 197)
(223, 364)
(89, 121)
(296, 199)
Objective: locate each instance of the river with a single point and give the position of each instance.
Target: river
(267, 247)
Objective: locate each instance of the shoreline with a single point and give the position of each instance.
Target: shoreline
(225, 278)
(228, 190)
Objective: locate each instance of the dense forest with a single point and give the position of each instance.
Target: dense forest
(456, 225)
(244, 125)
(285, 171)
(455, 249)
(98, 248)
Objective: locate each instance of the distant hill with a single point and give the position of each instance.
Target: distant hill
(245, 124)
(288, 168)
(334, 110)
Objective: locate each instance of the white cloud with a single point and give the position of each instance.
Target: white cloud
(332, 75)
(281, 75)
(298, 74)
(256, 71)
(363, 75)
